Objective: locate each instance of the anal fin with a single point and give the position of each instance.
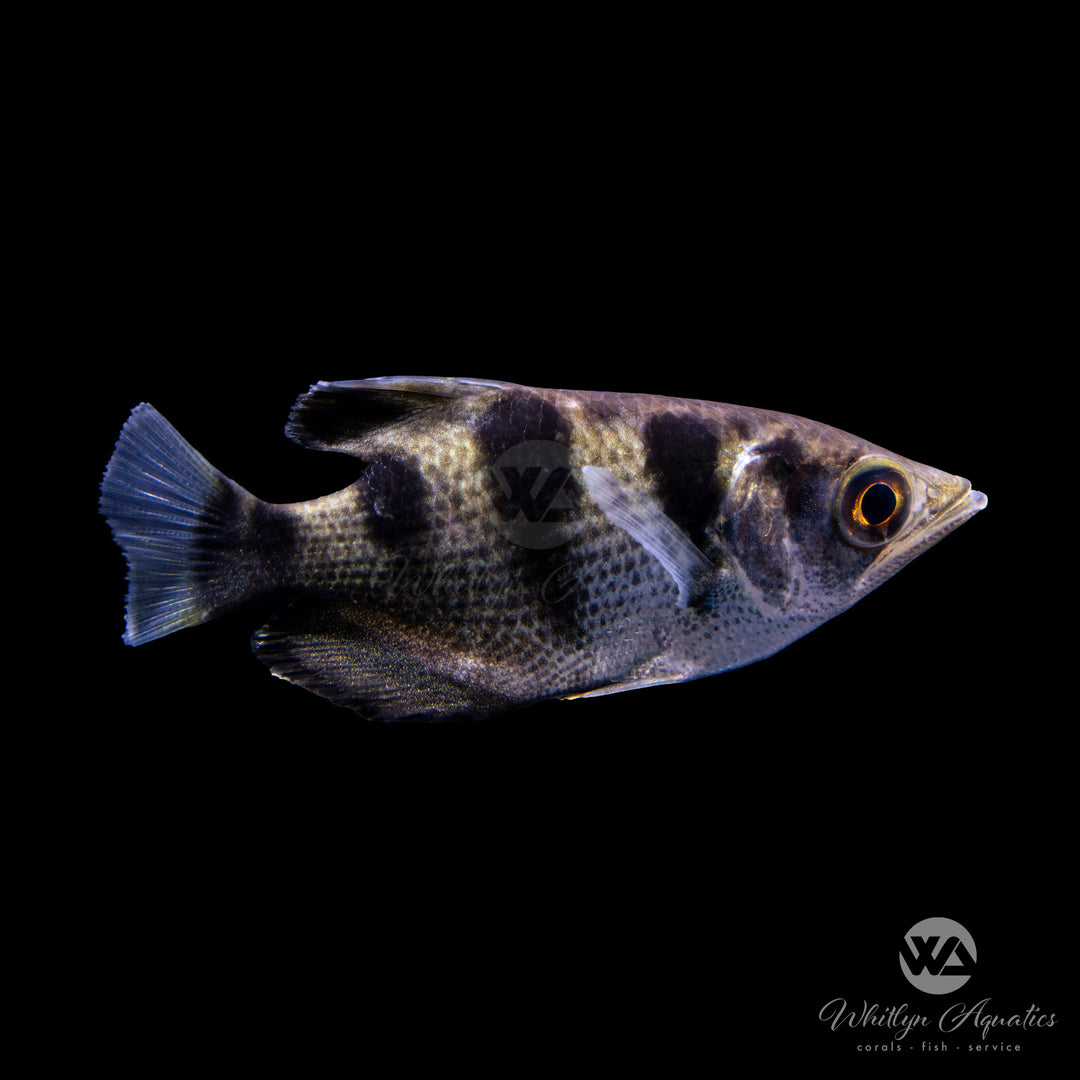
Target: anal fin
(381, 668)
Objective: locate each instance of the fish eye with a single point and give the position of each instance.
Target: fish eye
(873, 504)
(877, 504)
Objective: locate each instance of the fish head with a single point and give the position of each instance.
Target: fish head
(813, 518)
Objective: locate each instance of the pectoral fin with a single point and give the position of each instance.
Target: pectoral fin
(641, 517)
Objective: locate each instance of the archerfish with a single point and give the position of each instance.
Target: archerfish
(505, 544)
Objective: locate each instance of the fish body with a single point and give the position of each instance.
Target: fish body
(505, 544)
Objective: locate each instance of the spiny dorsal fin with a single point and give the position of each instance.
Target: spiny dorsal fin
(337, 415)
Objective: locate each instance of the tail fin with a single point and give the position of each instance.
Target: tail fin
(180, 523)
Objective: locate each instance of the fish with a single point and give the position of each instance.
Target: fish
(505, 544)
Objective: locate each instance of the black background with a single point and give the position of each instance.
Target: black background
(678, 873)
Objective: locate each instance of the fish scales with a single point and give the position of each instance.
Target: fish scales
(505, 544)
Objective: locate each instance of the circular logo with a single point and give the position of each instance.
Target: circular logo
(535, 498)
(937, 956)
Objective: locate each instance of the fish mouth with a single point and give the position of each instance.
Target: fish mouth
(932, 529)
(969, 503)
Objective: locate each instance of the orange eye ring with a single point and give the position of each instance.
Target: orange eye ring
(873, 503)
(877, 503)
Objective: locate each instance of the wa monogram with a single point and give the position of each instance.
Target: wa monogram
(937, 956)
(531, 491)
(534, 497)
(922, 958)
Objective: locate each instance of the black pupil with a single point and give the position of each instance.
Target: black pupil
(878, 504)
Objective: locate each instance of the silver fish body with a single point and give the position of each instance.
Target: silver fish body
(507, 544)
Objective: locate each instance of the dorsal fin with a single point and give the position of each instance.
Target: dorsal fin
(337, 415)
